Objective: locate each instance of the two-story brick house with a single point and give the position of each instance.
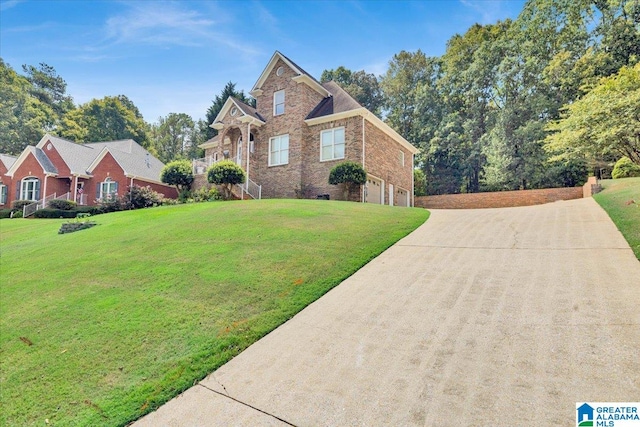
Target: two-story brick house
(299, 130)
(86, 173)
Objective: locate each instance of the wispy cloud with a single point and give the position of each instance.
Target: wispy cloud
(170, 24)
(489, 11)
(8, 4)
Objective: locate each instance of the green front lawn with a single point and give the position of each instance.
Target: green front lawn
(621, 199)
(101, 326)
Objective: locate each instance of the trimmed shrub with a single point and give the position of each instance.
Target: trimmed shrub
(206, 194)
(141, 197)
(65, 205)
(225, 174)
(92, 210)
(111, 204)
(17, 205)
(54, 213)
(625, 168)
(5, 213)
(178, 173)
(350, 174)
(17, 214)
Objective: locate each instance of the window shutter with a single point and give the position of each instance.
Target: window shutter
(3, 194)
(18, 190)
(37, 197)
(98, 185)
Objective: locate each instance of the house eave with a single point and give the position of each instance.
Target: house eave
(151, 181)
(372, 118)
(206, 145)
(252, 120)
(303, 78)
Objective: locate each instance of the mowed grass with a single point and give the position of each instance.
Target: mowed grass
(101, 326)
(621, 199)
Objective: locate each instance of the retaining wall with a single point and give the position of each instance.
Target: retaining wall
(500, 199)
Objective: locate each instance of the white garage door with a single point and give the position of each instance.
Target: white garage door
(402, 197)
(373, 190)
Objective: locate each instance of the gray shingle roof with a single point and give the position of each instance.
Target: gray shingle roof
(7, 160)
(339, 102)
(42, 158)
(78, 157)
(134, 159)
(247, 109)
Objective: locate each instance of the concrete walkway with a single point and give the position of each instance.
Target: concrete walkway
(496, 317)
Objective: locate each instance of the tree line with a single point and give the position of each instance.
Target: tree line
(539, 101)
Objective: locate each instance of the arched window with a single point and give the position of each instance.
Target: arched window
(30, 188)
(107, 188)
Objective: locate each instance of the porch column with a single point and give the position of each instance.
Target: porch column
(75, 188)
(248, 139)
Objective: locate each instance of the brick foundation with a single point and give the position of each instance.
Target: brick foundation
(500, 199)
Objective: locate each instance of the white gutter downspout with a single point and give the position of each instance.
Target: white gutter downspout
(364, 189)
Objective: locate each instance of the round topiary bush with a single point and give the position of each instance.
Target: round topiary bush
(178, 173)
(225, 174)
(350, 174)
(625, 168)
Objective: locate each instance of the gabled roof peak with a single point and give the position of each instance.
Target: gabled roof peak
(302, 76)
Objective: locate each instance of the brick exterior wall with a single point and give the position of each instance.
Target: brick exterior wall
(315, 173)
(29, 167)
(166, 191)
(6, 180)
(382, 160)
(65, 183)
(305, 175)
(500, 199)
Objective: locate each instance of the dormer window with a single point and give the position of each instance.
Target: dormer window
(278, 103)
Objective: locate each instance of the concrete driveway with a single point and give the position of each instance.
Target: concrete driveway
(497, 317)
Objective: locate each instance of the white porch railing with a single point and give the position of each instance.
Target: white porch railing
(29, 209)
(200, 166)
(81, 199)
(251, 188)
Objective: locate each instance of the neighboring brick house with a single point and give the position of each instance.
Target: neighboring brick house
(299, 130)
(6, 162)
(85, 173)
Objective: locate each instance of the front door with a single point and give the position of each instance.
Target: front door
(239, 152)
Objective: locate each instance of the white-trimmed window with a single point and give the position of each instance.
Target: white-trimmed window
(401, 158)
(107, 188)
(279, 150)
(332, 144)
(278, 103)
(30, 188)
(4, 191)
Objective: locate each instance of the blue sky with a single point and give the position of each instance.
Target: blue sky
(176, 56)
